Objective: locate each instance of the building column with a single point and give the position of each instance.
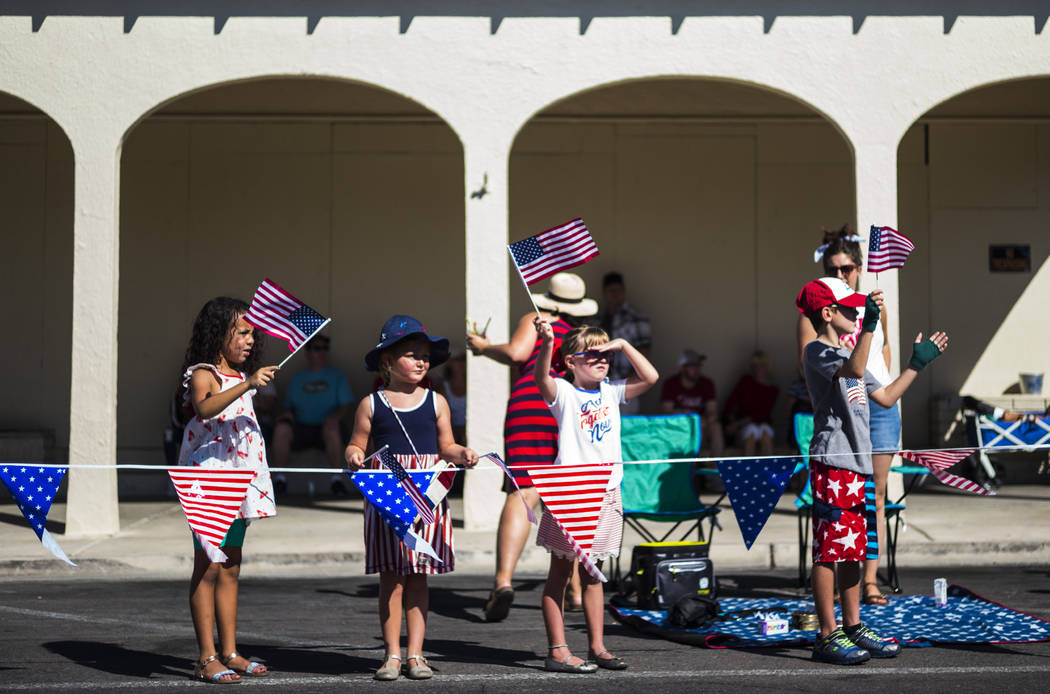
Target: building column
(876, 176)
(92, 493)
(486, 168)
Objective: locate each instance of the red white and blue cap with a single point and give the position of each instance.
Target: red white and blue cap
(402, 327)
(827, 291)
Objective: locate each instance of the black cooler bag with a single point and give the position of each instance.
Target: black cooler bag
(663, 572)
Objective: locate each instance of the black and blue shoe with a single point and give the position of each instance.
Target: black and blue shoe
(837, 649)
(874, 644)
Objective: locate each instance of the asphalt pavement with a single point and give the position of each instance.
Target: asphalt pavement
(322, 635)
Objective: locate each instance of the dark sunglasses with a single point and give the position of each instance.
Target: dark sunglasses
(592, 355)
(844, 269)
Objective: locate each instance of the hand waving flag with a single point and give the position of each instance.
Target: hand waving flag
(34, 487)
(560, 248)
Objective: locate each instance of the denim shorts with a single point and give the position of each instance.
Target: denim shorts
(885, 425)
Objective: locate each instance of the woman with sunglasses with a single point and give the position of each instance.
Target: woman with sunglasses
(841, 255)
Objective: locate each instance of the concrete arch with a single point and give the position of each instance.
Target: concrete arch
(582, 89)
(190, 90)
(43, 111)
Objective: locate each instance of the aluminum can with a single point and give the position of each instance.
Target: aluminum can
(940, 591)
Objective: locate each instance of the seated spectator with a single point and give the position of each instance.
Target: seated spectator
(690, 391)
(454, 387)
(317, 401)
(749, 409)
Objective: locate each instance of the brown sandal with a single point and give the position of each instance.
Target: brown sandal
(876, 598)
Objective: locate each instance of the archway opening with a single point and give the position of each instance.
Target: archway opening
(974, 194)
(36, 195)
(708, 196)
(349, 196)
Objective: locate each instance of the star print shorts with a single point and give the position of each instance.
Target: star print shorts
(841, 518)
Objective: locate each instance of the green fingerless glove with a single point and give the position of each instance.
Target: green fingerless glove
(924, 353)
(871, 315)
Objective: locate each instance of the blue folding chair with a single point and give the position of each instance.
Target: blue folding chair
(804, 502)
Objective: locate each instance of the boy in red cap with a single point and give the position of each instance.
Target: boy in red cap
(840, 457)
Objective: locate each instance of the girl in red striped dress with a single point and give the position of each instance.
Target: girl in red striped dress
(416, 424)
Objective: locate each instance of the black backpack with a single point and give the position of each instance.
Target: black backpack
(693, 611)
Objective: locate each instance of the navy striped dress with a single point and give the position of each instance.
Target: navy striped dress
(530, 433)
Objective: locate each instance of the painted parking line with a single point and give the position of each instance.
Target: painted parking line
(279, 680)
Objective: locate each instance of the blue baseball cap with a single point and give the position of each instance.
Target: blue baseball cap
(402, 327)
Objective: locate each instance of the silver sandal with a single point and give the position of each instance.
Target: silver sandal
(417, 671)
(198, 673)
(251, 671)
(388, 673)
(554, 665)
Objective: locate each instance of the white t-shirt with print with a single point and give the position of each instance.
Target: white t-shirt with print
(589, 425)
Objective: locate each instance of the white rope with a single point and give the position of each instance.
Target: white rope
(661, 461)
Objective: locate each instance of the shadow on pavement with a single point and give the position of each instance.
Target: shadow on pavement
(118, 660)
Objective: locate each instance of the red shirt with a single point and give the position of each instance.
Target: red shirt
(690, 399)
(751, 400)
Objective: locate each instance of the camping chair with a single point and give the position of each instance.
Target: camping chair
(804, 503)
(986, 432)
(662, 492)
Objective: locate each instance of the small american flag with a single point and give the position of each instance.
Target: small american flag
(426, 513)
(939, 461)
(392, 504)
(573, 495)
(278, 313)
(887, 249)
(211, 500)
(552, 251)
(855, 391)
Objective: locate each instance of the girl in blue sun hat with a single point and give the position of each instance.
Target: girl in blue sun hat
(415, 422)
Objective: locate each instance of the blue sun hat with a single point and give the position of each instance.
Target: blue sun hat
(401, 327)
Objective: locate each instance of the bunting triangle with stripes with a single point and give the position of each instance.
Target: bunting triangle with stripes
(938, 462)
(211, 500)
(573, 495)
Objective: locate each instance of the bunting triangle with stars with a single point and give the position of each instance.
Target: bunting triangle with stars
(34, 488)
(754, 486)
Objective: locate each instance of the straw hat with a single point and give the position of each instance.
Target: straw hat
(568, 295)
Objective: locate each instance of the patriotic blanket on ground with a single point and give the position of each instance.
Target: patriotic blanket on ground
(278, 313)
(560, 248)
(211, 500)
(34, 488)
(913, 621)
(573, 494)
(939, 461)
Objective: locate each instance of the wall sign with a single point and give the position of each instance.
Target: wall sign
(1010, 258)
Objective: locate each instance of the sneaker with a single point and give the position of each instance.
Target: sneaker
(837, 649)
(874, 644)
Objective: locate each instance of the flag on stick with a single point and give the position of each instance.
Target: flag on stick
(573, 495)
(424, 509)
(552, 251)
(754, 487)
(494, 457)
(34, 488)
(211, 499)
(939, 461)
(278, 313)
(887, 249)
(392, 503)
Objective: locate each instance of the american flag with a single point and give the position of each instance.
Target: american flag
(939, 461)
(887, 249)
(494, 457)
(554, 250)
(392, 504)
(855, 391)
(278, 313)
(573, 495)
(423, 507)
(34, 488)
(211, 500)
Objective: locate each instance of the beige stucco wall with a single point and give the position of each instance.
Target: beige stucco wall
(98, 76)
